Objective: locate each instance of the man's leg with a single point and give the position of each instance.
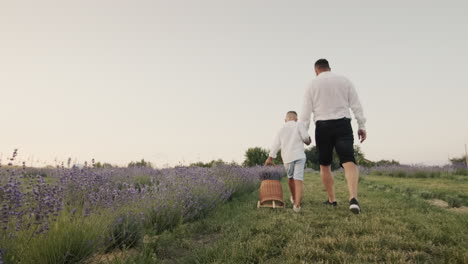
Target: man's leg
(324, 138)
(328, 183)
(352, 178)
(345, 149)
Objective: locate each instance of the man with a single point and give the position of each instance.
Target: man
(291, 139)
(329, 98)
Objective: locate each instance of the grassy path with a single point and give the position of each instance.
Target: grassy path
(391, 229)
(452, 190)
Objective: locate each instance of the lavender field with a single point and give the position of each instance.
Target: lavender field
(69, 215)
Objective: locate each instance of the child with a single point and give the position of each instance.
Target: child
(290, 140)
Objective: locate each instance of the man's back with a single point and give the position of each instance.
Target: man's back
(329, 97)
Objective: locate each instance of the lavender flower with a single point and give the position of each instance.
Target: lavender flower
(31, 199)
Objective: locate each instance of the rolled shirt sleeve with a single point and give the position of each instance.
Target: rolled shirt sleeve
(275, 147)
(356, 107)
(306, 112)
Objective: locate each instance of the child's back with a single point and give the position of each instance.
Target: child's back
(290, 139)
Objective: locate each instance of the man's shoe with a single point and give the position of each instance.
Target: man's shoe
(296, 209)
(327, 202)
(354, 206)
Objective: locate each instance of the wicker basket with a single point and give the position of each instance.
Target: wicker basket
(271, 194)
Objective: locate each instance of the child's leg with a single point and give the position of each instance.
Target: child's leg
(298, 190)
(298, 178)
(292, 188)
(290, 173)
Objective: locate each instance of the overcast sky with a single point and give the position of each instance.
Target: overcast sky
(183, 81)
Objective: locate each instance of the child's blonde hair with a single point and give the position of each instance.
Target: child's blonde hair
(291, 115)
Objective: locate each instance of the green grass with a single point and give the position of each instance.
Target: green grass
(393, 228)
(452, 190)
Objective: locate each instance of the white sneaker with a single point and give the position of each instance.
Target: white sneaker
(296, 209)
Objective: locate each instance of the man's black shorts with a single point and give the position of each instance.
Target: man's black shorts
(336, 134)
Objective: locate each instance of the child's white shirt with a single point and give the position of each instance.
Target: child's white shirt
(290, 139)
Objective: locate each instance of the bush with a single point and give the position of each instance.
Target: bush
(67, 242)
(126, 232)
(454, 201)
(463, 172)
(159, 221)
(140, 164)
(402, 174)
(427, 195)
(142, 181)
(255, 156)
(71, 215)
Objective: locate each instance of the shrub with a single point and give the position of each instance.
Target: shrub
(427, 195)
(68, 241)
(420, 174)
(126, 232)
(142, 181)
(401, 174)
(255, 156)
(461, 171)
(71, 214)
(454, 201)
(409, 191)
(158, 221)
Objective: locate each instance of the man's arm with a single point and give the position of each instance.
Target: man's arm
(304, 116)
(303, 133)
(358, 112)
(274, 150)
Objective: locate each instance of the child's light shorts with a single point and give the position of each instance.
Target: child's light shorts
(295, 169)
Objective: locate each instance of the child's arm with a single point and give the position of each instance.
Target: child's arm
(274, 150)
(301, 127)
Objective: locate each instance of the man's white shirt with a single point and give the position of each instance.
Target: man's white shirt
(290, 139)
(329, 97)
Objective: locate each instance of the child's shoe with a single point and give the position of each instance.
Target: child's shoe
(296, 209)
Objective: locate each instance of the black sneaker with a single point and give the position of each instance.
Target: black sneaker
(354, 206)
(327, 202)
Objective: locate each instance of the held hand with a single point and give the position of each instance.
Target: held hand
(308, 141)
(362, 135)
(269, 161)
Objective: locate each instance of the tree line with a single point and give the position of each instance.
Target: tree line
(257, 156)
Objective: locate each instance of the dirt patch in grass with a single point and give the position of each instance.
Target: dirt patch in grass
(206, 238)
(112, 256)
(463, 209)
(445, 205)
(439, 203)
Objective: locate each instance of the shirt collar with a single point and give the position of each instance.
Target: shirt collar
(324, 73)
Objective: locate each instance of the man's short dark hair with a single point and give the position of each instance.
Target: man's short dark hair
(322, 64)
(291, 112)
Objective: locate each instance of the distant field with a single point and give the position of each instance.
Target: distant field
(395, 227)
